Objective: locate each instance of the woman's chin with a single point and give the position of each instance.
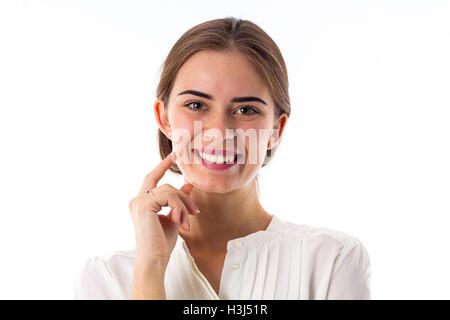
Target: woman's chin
(216, 185)
(210, 183)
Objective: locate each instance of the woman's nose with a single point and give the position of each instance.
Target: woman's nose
(219, 121)
(222, 125)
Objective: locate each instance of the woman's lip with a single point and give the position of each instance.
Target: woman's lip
(217, 151)
(212, 165)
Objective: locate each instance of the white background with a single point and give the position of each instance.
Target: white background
(366, 150)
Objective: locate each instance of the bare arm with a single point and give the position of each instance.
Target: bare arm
(148, 283)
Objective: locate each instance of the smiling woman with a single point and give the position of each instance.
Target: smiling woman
(222, 105)
(226, 35)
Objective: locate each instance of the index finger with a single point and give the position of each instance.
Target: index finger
(152, 178)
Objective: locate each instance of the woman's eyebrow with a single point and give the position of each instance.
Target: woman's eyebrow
(236, 99)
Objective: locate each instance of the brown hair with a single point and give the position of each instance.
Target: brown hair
(226, 34)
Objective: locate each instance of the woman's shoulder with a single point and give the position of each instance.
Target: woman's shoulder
(314, 235)
(113, 256)
(105, 276)
(113, 261)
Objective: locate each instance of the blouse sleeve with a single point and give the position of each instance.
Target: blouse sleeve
(350, 279)
(95, 281)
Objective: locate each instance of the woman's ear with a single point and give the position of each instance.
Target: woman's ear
(162, 117)
(277, 131)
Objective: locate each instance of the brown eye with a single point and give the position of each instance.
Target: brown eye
(194, 105)
(247, 110)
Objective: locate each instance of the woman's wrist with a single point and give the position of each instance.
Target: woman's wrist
(151, 266)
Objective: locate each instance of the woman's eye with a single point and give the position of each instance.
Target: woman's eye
(196, 105)
(247, 110)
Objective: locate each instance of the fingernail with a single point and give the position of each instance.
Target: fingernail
(195, 208)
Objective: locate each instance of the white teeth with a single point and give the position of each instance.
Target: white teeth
(219, 159)
(230, 159)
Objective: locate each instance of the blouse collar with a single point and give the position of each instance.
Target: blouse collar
(254, 239)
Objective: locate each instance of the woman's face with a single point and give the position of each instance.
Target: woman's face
(215, 93)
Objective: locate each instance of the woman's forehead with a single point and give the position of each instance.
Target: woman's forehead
(220, 73)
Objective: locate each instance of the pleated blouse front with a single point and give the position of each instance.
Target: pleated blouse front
(285, 261)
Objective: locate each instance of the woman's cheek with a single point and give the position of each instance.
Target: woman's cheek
(255, 136)
(263, 140)
(181, 140)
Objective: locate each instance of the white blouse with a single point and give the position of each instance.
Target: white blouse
(285, 261)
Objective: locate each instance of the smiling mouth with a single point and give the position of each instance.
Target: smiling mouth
(217, 158)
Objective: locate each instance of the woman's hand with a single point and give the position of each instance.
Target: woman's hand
(156, 234)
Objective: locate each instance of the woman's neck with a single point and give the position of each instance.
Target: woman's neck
(224, 216)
